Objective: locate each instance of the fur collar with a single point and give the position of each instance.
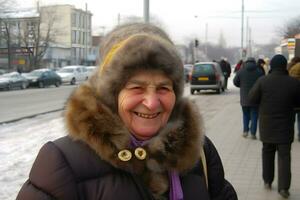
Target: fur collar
(176, 146)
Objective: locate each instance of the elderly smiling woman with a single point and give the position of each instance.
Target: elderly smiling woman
(131, 134)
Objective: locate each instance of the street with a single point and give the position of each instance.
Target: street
(24, 103)
(21, 140)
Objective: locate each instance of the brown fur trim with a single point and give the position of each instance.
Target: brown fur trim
(176, 147)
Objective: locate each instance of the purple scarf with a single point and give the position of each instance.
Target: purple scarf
(175, 185)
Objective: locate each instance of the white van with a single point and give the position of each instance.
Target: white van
(73, 74)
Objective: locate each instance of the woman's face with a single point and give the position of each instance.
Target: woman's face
(146, 102)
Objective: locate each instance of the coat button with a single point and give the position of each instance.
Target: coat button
(124, 155)
(140, 153)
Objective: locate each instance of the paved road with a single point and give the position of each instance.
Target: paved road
(24, 103)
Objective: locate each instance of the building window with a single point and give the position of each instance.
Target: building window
(73, 52)
(73, 37)
(77, 19)
(73, 19)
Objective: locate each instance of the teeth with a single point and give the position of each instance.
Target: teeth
(147, 116)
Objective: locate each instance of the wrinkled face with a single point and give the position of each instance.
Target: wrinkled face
(146, 102)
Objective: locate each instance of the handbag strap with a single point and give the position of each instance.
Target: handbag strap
(204, 164)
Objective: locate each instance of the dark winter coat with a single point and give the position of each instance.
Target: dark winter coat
(277, 95)
(85, 164)
(83, 175)
(226, 68)
(245, 79)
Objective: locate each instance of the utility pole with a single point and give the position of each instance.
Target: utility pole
(146, 11)
(242, 32)
(206, 31)
(250, 43)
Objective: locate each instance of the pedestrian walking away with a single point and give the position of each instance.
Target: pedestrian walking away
(226, 69)
(130, 132)
(238, 66)
(245, 79)
(294, 71)
(260, 65)
(277, 95)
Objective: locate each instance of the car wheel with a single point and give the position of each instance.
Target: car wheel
(192, 91)
(41, 84)
(73, 81)
(218, 90)
(57, 84)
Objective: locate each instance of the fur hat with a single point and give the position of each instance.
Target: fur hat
(278, 62)
(133, 47)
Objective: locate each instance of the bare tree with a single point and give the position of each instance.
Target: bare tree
(5, 33)
(38, 37)
(291, 28)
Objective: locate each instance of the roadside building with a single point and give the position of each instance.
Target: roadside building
(13, 26)
(65, 33)
(289, 47)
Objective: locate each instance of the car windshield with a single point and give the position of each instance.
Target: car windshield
(66, 70)
(204, 69)
(35, 73)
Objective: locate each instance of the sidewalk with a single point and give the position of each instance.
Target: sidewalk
(242, 156)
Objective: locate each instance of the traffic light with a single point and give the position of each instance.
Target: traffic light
(196, 43)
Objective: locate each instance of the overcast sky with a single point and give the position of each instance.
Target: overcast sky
(184, 19)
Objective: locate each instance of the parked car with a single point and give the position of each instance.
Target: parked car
(207, 76)
(43, 77)
(90, 70)
(72, 74)
(13, 80)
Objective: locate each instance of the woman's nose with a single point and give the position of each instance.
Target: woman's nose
(151, 101)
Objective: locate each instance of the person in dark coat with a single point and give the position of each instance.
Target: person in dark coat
(131, 133)
(245, 79)
(260, 65)
(226, 69)
(277, 95)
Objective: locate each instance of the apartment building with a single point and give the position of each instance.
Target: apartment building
(72, 32)
(65, 32)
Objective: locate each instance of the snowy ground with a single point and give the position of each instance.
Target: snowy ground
(20, 143)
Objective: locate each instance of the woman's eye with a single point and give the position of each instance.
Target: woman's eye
(136, 89)
(164, 89)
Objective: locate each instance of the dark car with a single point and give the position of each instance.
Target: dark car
(43, 77)
(207, 76)
(13, 80)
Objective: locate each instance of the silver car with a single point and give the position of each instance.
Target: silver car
(13, 80)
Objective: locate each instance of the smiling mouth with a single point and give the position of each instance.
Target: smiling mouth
(146, 116)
